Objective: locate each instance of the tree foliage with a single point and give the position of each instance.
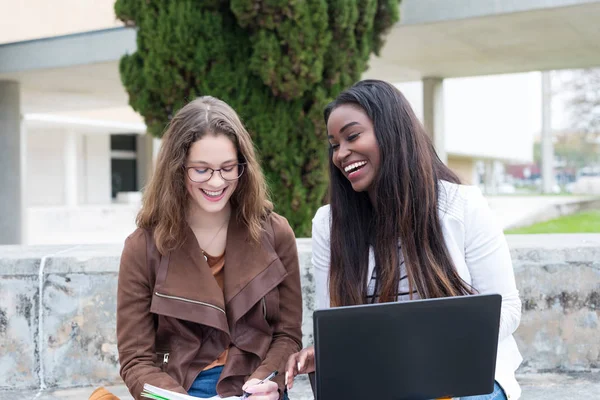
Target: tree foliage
(276, 62)
(582, 91)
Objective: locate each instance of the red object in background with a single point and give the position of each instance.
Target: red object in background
(523, 171)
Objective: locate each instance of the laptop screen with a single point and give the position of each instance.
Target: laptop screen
(421, 349)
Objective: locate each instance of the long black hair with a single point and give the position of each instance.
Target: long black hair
(405, 209)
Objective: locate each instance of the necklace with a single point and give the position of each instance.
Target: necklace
(213, 239)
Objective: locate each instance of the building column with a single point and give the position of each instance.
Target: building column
(490, 184)
(71, 170)
(147, 152)
(433, 114)
(96, 163)
(11, 172)
(547, 145)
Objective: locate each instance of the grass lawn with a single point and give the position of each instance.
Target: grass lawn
(584, 222)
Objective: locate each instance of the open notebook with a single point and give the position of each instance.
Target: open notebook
(153, 392)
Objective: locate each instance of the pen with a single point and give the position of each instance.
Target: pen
(268, 378)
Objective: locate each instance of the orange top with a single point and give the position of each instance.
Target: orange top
(216, 265)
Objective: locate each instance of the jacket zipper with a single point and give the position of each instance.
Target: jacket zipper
(165, 360)
(189, 301)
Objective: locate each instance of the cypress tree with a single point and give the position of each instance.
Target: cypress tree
(276, 62)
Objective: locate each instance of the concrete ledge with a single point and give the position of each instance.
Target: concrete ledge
(57, 315)
(57, 309)
(567, 386)
(559, 280)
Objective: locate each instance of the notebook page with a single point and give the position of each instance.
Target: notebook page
(153, 392)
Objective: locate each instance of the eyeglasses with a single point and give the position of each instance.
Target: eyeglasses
(204, 174)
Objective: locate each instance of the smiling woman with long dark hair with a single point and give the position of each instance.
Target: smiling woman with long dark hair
(400, 226)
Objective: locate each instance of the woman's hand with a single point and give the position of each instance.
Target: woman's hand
(267, 390)
(302, 362)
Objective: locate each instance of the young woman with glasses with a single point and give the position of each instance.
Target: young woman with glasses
(209, 299)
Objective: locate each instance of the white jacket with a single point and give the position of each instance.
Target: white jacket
(480, 253)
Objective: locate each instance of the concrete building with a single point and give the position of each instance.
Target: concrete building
(69, 142)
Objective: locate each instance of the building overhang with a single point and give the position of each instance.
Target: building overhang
(95, 47)
(72, 72)
(435, 38)
(445, 39)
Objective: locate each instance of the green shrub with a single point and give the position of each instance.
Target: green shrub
(276, 62)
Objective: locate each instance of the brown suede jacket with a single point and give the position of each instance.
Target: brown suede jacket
(173, 319)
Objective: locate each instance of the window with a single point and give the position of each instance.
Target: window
(123, 164)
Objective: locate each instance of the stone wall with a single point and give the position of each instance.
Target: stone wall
(558, 277)
(57, 309)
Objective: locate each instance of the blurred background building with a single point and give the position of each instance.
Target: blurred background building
(74, 155)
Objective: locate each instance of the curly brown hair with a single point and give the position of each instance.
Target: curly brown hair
(165, 198)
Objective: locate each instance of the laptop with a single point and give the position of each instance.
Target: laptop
(414, 350)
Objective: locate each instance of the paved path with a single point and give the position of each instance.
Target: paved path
(574, 386)
(517, 210)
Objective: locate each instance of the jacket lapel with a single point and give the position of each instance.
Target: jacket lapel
(185, 288)
(251, 270)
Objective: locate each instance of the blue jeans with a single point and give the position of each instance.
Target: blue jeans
(205, 384)
(497, 394)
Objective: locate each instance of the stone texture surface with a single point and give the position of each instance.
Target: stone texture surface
(74, 342)
(535, 387)
(566, 386)
(300, 391)
(75, 345)
(308, 290)
(94, 259)
(79, 329)
(19, 367)
(559, 284)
